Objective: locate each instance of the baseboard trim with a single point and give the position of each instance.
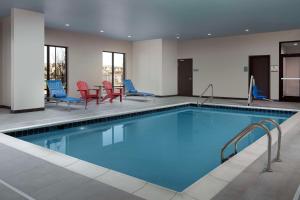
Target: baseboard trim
(218, 97)
(162, 96)
(6, 107)
(27, 110)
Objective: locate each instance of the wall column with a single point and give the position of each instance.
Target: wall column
(27, 60)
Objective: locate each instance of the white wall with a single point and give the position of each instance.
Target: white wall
(85, 55)
(147, 66)
(27, 60)
(155, 66)
(169, 71)
(221, 61)
(5, 59)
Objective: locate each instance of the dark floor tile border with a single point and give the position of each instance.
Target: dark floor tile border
(6, 107)
(27, 110)
(219, 97)
(163, 96)
(40, 130)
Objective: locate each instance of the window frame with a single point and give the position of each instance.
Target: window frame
(113, 65)
(48, 64)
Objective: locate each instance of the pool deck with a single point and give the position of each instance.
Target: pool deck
(46, 179)
(281, 184)
(26, 177)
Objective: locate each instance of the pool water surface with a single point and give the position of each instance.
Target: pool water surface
(171, 148)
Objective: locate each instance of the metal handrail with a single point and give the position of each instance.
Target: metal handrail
(252, 81)
(241, 136)
(210, 97)
(277, 159)
(234, 139)
(245, 132)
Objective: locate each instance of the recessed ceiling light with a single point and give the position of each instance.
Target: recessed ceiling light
(209, 34)
(129, 36)
(247, 30)
(101, 31)
(67, 25)
(295, 44)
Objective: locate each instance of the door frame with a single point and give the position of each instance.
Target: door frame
(281, 57)
(178, 60)
(269, 74)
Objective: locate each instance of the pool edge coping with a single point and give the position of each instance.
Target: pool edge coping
(140, 110)
(97, 116)
(207, 183)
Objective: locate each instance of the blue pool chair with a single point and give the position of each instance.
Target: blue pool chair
(256, 93)
(131, 91)
(58, 93)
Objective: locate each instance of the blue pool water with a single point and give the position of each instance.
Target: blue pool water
(171, 148)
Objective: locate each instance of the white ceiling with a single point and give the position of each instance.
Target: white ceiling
(149, 19)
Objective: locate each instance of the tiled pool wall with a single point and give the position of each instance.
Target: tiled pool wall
(39, 130)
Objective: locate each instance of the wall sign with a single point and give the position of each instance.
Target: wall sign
(274, 68)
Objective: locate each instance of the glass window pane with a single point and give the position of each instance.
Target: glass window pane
(107, 137)
(118, 133)
(291, 69)
(60, 69)
(118, 69)
(52, 66)
(290, 47)
(45, 68)
(57, 68)
(107, 66)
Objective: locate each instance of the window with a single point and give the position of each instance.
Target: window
(113, 67)
(55, 64)
(113, 135)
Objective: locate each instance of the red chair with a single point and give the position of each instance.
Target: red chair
(84, 90)
(111, 93)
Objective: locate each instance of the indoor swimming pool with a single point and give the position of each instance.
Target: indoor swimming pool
(172, 148)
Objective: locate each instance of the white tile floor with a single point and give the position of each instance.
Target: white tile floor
(87, 169)
(206, 188)
(60, 113)
(122, 181)
(281, 184)
(154, 192)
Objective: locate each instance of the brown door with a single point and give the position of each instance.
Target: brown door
(259, 67)
(185, 77)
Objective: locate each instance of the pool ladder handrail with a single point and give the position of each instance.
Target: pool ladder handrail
(247, 131)
(204, 91)
(279, 137)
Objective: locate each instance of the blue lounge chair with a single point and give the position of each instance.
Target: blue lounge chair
(58, 93)
(256, 93)
(131, 91)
